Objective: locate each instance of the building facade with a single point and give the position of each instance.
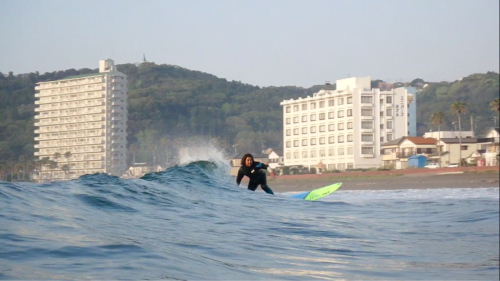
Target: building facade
(343, 128)
(82, 123)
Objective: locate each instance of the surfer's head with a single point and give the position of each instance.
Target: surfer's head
(247, 160)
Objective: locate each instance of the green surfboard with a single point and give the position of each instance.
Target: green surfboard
(318, 193)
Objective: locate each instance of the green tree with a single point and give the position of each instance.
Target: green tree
(495, 105)
(459, 108)
(438, 120)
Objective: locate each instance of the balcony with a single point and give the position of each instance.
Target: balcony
(371, 155)
(391, 156)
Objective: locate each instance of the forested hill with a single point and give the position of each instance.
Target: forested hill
(168, 103)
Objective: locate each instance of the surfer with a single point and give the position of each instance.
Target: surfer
(255, 172)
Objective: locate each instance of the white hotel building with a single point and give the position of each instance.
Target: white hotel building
(343, 128)
(87, 116)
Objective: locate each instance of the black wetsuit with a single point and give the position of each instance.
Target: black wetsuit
(256, 175)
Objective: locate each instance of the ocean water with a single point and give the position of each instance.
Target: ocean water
(191, 222)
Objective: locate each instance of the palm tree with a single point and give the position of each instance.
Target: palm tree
(52, 166)
(438, 120)
(459, 108)
(57, 155)
(23, 161)
(495, 106)
(42, 163)
(68, 155)
(65, 169)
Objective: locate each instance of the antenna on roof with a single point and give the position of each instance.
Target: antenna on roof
(144, 57)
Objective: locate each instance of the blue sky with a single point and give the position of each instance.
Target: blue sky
(264, 43)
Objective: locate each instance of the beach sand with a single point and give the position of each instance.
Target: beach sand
(387, 182)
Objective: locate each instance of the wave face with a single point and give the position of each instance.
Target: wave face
(191, 222)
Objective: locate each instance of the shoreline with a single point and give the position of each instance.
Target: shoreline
(467, 177)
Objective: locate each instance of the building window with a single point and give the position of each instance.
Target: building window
(464, 147)
(389, 112)
(296, 143)
(340, 114)
(321, 116)
(288, 144)
(349, 112)
(340, 126)
(388, 99)
(349, 100)
(304, 154)
(296, 131)
(381, 126)
(296, 119)
(331, 127)
(349, 125)
(313, 117)
(304, 106)
(389, 137)
(331, 139)
(341, 101)
(331, 152)
(349, 138)
(389, 125)
(313, 105)
(340, 139)
(322, 140)
(313, 142)
(366, 125)
(381, 139)
(322, 128)
(304, 130)
(321, 104)
(366, 112)
(366, 99)
(288, 120)
(381, 114)
(304, 142)
(341, 151)
(313, 129)
(296, 155)
(331, 114)
(350, 151)
(295, 108)
(288, 109)
(367, 150)
(313, 153)
(288, 132)
(381, 101)
(321, 153)
(331, 102)
(304, 118)
(367, 137)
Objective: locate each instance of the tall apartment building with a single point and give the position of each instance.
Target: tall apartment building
(343, 128)
(85, 115)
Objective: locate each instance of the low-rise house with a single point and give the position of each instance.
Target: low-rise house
(451, 150)
(489, 147)
(395, 153)
(140, 169)
(276, 158)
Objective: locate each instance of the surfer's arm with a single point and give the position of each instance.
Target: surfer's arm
(239, 177)
(264, 166)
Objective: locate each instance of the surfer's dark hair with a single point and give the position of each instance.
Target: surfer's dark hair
(245, 158)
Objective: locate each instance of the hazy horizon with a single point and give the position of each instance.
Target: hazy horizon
(263, 43)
